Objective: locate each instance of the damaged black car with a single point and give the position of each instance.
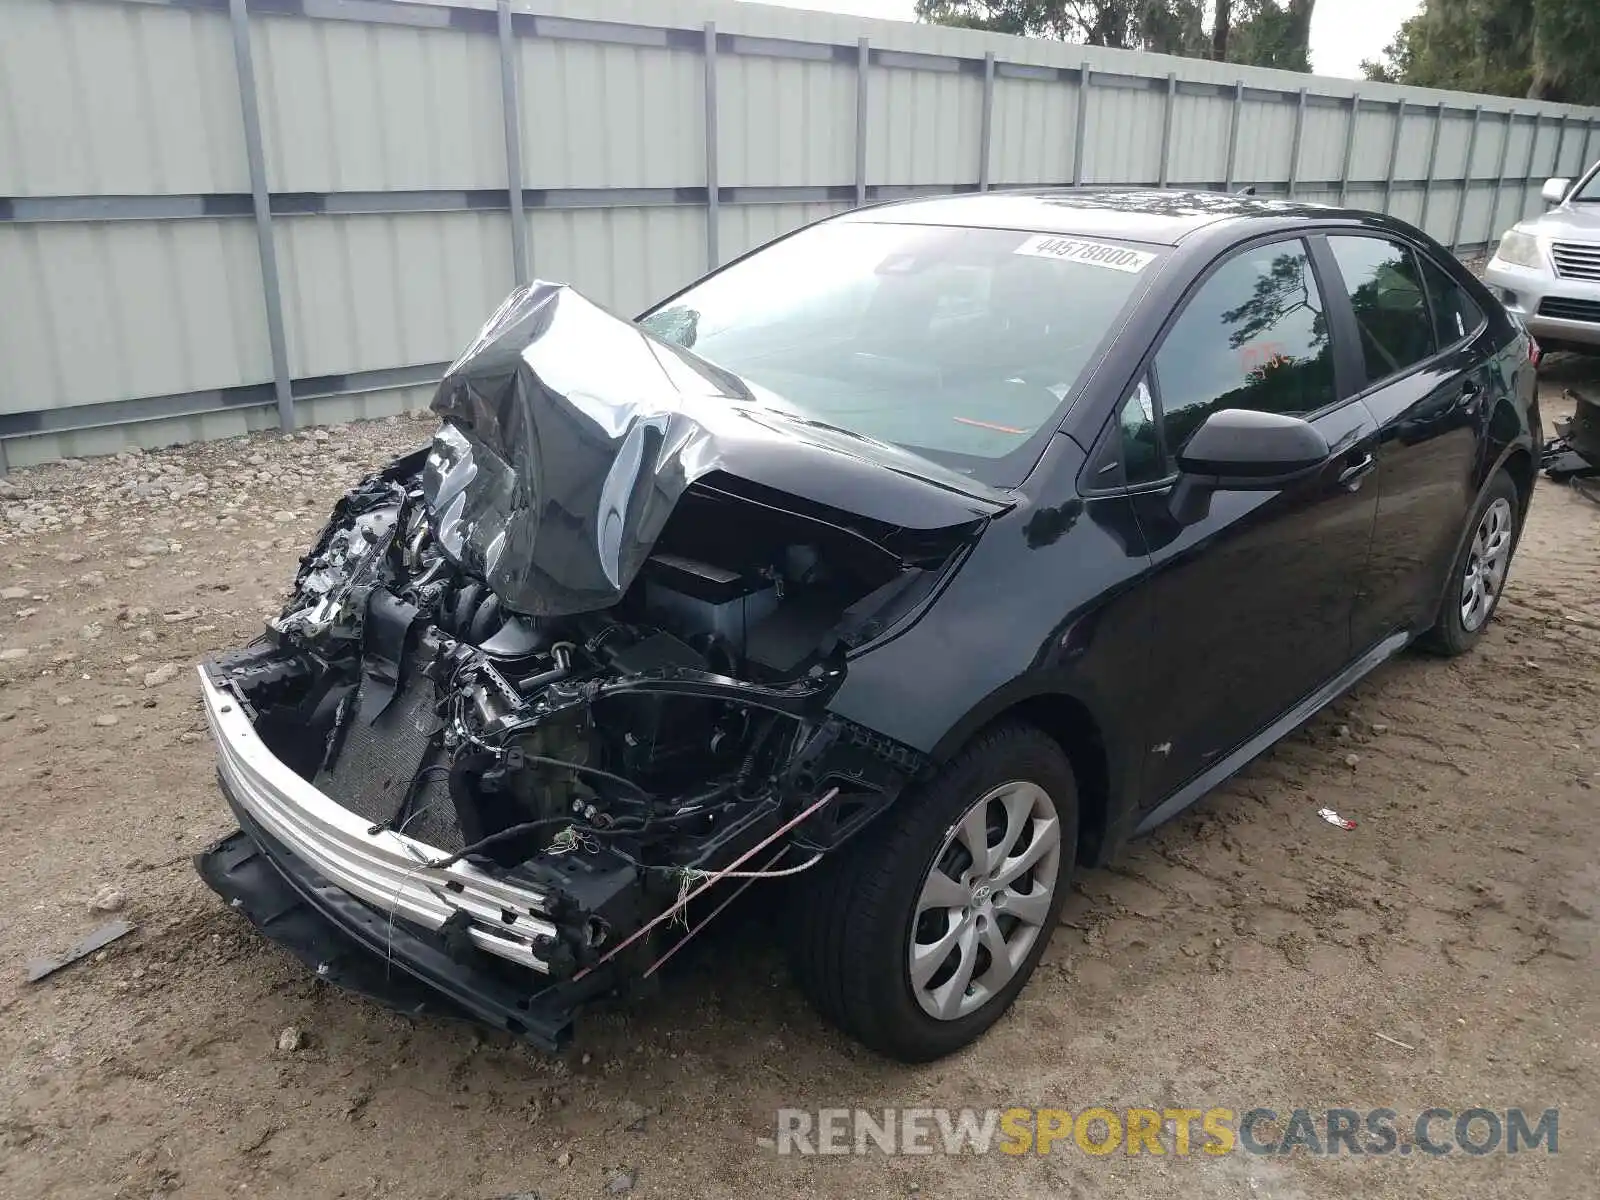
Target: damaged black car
(909, 563)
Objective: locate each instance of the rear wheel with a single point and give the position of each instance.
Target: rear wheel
(1478, 575)
(916, 938)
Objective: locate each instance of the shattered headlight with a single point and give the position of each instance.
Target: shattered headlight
(1520, 249)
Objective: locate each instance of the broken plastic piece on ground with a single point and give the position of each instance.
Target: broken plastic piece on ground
(38, 968)
(1561, 462)
(1575, 450)
(1333, 818)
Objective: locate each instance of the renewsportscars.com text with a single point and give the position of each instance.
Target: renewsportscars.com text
(1175, 1132)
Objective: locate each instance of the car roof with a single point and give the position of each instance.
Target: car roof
(1161, 216)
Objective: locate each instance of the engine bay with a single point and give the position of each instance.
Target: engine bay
(606, 755)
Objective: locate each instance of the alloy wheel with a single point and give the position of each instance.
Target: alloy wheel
(985, 899)
(1487, 561)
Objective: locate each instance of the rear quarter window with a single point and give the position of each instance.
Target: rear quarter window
(1455, 314)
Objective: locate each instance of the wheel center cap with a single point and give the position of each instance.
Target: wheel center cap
(981, 893)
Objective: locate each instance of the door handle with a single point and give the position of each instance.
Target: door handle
(1350, 478)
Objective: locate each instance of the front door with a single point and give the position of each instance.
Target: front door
(1251, 604)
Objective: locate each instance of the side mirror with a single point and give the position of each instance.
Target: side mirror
(1238, 449)
(1555, 190)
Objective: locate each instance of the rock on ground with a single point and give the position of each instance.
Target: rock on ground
(162, 674)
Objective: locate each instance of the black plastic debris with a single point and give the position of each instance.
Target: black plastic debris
(1574, 453)
(39, 968)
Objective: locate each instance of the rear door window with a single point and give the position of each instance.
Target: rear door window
(1383, 281)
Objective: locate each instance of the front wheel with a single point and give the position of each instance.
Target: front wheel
(918, 936)
(1478, 575)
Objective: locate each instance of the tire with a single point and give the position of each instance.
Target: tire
(859, 911)
(1496, 522)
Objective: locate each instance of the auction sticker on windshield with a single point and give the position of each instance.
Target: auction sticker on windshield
(1094, 254)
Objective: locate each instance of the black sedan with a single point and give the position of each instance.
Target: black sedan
(914, 561)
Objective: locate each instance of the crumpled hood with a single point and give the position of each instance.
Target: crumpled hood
(568, 436)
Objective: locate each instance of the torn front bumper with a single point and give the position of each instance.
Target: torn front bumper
(354, 946)
(386, 870)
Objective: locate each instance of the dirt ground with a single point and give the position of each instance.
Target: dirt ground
(1248, 954)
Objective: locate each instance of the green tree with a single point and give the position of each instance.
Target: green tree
(1543, 49)
(1269, 34)
(1274, 33)
(1566, 51)
(1399, 57)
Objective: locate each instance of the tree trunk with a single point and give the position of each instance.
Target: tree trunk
(1300, 22)
(1220, 31)
(1545, 87)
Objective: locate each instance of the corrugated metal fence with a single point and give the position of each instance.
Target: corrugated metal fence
(184, 257)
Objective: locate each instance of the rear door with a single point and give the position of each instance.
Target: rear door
(1416, 339)
(1251, 605)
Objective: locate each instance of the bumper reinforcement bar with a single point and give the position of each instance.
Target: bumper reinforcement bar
(355, 946)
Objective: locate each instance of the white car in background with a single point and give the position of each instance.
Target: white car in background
(1547, 270)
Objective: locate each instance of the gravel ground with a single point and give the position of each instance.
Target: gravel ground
(1246, 954)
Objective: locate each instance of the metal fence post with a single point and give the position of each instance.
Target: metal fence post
(1083, 124)
(1233, 135)
(1349, 149)
(1527, 167)
(1433, 159)
(1561, 145)
(713, 216)
(1500, 179)
(1166, 129)
(1299, 138)
(1394, 155)
(863, 63)
(1466, 179)
(1588, 138)
(987, 125)
(511, 115)
(261, 205)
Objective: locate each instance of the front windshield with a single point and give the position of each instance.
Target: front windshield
(959, 344)
(1589, 190)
